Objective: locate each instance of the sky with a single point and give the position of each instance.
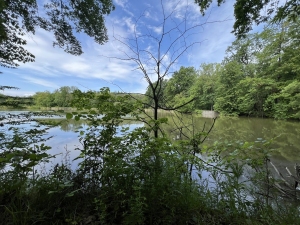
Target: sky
(134, 27)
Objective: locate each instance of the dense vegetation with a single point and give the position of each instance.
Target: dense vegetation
(15, 102)
(58, 99)
(131, 177)
(258, 77)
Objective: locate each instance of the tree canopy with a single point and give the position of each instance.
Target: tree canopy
(62, 17)
(247, 12)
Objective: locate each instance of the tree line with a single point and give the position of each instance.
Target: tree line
(259, 76)
(64, 96)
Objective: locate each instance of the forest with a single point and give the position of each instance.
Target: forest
(259, 77)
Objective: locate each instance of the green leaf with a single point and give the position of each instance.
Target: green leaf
(69, 116)
(70, 194)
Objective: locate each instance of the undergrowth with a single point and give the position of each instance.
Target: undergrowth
(130, 177)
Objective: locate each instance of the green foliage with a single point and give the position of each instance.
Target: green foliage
(173, 93)
(258, 77)
(15, 102)
(253, 94)
(248, 12)
(204, 88)
(131, 177)
(226, 96)
(160, 92)
(43, 99)
(179, 84)
(63, 96)
(63, 18)
(288, 102)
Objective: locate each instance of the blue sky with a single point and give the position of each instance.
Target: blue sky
(102, 65)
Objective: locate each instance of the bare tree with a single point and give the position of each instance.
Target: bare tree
(166, 44)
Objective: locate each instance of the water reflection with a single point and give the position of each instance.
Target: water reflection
(66, 125)
(286, 134)
(66, 139)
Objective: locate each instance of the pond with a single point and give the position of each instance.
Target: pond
(285, 134)
(65, 138)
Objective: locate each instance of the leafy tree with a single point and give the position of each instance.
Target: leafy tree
(204, 88)
(288, 102)
(252, 95)
(15, 102)
(63, 96)
(44, 99)
(248, 12)
(244, 51)
(269, 63)
(179, 84)
(181, 81)
(280, 56)
(62, 17)
(226, 94)
(279, 60)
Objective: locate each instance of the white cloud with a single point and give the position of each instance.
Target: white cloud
(123, 27)
(17, 92)
(147, 14)
(181, 8)
(216, 36)
(156, 29)
(47, 58)
(54, 67)
(76, 67)
(151, 14)
(94, 63)
(124, 6)
(41, 82)
(130, 24)
(120, 3)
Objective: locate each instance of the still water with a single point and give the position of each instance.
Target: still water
(285, 135)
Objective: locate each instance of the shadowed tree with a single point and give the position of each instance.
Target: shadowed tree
(248, 12)
(62, 17)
